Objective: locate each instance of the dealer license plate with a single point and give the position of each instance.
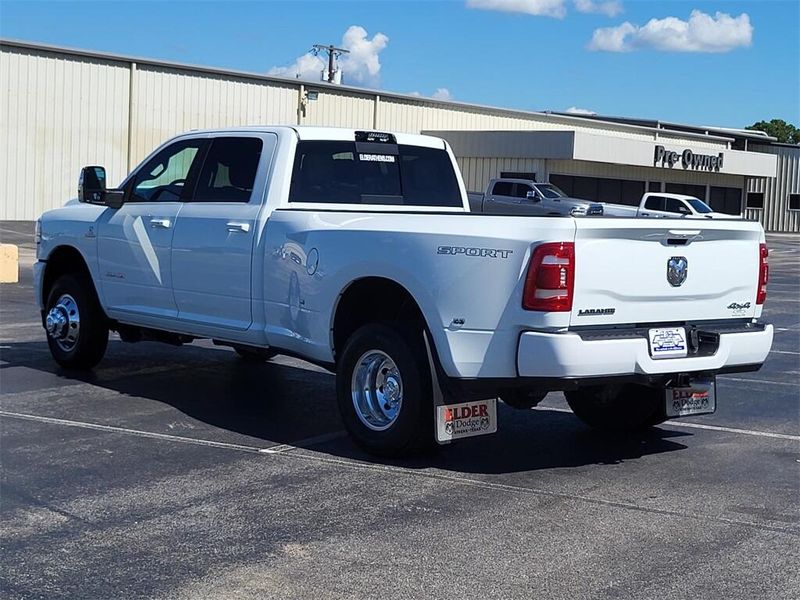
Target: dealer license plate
(698, 398)
(667, 342)
(456, 421)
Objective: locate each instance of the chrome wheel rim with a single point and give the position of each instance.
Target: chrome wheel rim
(63, 322)
(377, 390)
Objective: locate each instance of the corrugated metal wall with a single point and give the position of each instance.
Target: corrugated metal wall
(64, 109)
(167, 101)
(340, 110)
(776, 216)
(478, 171)
(57, 114)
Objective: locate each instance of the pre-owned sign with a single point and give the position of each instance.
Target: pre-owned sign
(688, 159)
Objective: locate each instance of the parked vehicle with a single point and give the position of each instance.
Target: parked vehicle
(356, 251)
(506, 196)
(663, 204)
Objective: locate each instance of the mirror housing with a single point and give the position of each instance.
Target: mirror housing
(532, 196)
(92, 188)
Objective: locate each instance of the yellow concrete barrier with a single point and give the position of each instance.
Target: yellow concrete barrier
(9, 263)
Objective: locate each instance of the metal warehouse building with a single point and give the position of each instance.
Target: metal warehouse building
(63, 108)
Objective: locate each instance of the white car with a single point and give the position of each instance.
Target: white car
(665, 204)
(357, 251)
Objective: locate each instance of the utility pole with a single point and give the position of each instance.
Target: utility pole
(333, 53)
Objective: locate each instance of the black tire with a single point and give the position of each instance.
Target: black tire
(255, 355)
(92, 337)
(620, 408)
(412, 430)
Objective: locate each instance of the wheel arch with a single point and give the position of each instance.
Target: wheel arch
(372, 299)
(62, 260)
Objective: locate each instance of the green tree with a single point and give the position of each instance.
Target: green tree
(778, 128)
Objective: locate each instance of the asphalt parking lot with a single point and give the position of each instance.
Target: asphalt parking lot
(187, 473)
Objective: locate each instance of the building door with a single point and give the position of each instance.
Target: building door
(726, 200)
(687, 189)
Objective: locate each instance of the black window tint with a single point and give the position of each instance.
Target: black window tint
(654, 203)
(163, 177)
(337, 173)
(333, 173)
(503, 188)
(521, 190)
(229, 170)
(676, 206)
(755, 199)
(428, 178)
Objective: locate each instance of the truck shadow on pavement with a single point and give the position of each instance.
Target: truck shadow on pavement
(211, 394)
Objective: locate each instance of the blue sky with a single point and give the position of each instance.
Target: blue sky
(713, 71)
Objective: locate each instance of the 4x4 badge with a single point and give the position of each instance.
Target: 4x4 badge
(677, 270)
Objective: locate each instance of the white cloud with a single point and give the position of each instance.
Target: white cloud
(439, 94)
(442, 94)
(610, 8)
(574, 110)
(545, 8)
(361, 65)
(701, 33)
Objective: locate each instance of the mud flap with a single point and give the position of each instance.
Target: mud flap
(465, 419)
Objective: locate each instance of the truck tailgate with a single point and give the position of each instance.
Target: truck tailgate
(643, 271)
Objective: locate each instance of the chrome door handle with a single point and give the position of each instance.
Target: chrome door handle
(157, 223)
(234, 227)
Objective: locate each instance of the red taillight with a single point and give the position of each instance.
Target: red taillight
(551, 278)
(763, 274)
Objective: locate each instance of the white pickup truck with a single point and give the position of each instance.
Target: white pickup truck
(356, 251)
(666, 205)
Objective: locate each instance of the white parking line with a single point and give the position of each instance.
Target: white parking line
(689, 424)
(312, 441)
(743, 380)
(136, 432)
(784, 352)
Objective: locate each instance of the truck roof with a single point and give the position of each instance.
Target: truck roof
(308, 132)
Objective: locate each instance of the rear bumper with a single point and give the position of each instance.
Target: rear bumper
(608, 354)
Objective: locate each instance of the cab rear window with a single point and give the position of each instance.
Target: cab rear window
(339, 172)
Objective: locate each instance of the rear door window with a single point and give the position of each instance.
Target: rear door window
(503, 188)
(654, 203)
(229, 170)
(676, 206)
(336, 172)
(521, 190)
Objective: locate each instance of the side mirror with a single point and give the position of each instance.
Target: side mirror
(92, 188)
(532, 196)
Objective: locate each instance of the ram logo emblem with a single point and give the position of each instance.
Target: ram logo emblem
(677, 270)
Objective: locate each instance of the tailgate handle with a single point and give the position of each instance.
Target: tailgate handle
(681, 237)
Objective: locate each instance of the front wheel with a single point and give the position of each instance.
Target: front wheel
(77, 331)
(383, 388)
(627, 407)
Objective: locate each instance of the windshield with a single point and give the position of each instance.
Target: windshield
(548, 190)
(699, 206)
